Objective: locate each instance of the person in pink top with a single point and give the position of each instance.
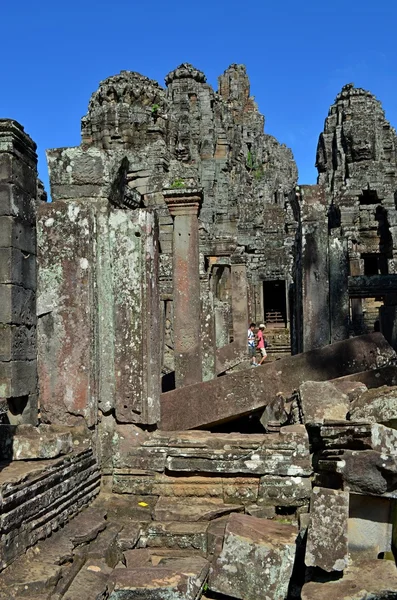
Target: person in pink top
(262, 343)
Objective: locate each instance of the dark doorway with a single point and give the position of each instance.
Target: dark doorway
(274, 303)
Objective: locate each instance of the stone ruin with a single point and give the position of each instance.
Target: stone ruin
(141, 457)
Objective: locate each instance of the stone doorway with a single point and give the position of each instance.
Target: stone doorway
(274, 304)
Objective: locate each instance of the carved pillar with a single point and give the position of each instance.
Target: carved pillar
(239, 303)
(184, 205)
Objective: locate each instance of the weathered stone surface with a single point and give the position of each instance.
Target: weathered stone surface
(191, 536)
(68, 386)
(230, 489)
(205, 509)
(92, 298)
(321, 400)
(128, 537)
(284, 491)
(38, 497)
(327, 534)
(86, 526)
(352, 389)
(25, 442)
(182, 581)
(366, 472)
(237, 394)
(374, 579)
(18, 378)
(17, 342)
(256, 559)
(377, 405)
(17, 305)
(370, 528)
(91, 582)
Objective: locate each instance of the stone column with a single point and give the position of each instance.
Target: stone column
(184, 205)
(315, 268)
(239, 303)
(338, 285)
(18, 191)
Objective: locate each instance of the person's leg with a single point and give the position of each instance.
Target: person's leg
(252, 355)
(264, 355)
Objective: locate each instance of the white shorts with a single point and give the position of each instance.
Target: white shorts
(263, 351)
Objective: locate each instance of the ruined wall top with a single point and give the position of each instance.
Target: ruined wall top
(185, 71)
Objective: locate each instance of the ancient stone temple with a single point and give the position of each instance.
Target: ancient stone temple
(142, 457)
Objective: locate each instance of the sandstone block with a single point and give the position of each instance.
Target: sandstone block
(192, 536)
(17, 342)
(18, 378)
(321, 400)
(184, 581)
(17, 203)
(227, 398)
(18, 234)
(327, 545)
(18, 268)
(203, 509)
(378, 405)
(17, 305)
(284, 491)
(375, 579)
(19, 171)
(256, 560)
(26, 442)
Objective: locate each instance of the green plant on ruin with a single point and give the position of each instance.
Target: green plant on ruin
(250, 160)
(259, 173)
(155, 109)
(178, 184)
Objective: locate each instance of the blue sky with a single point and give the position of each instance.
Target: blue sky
(298, 56)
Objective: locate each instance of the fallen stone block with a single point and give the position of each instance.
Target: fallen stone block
(86, 526)
(157, 583)
(256, 560)
(377, 405)
(140, 557)
(365, 472)
(352, 389)
(327, 545)
(320, 401)
(237, 394)
(193, 510)
(192, 536)
(91, 583)
(373, 378)
(129, 536)
(25, 442)
(365, 580)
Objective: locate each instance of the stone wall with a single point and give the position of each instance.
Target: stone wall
(39, 496)
(140, 139)
(98, 346)
(18, 191)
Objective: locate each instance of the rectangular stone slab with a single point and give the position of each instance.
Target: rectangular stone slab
(327, 535)
(237, 394)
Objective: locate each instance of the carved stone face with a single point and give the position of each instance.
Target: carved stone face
(121, 111)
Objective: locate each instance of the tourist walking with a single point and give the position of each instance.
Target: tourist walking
(251, 344)
(262, 343)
